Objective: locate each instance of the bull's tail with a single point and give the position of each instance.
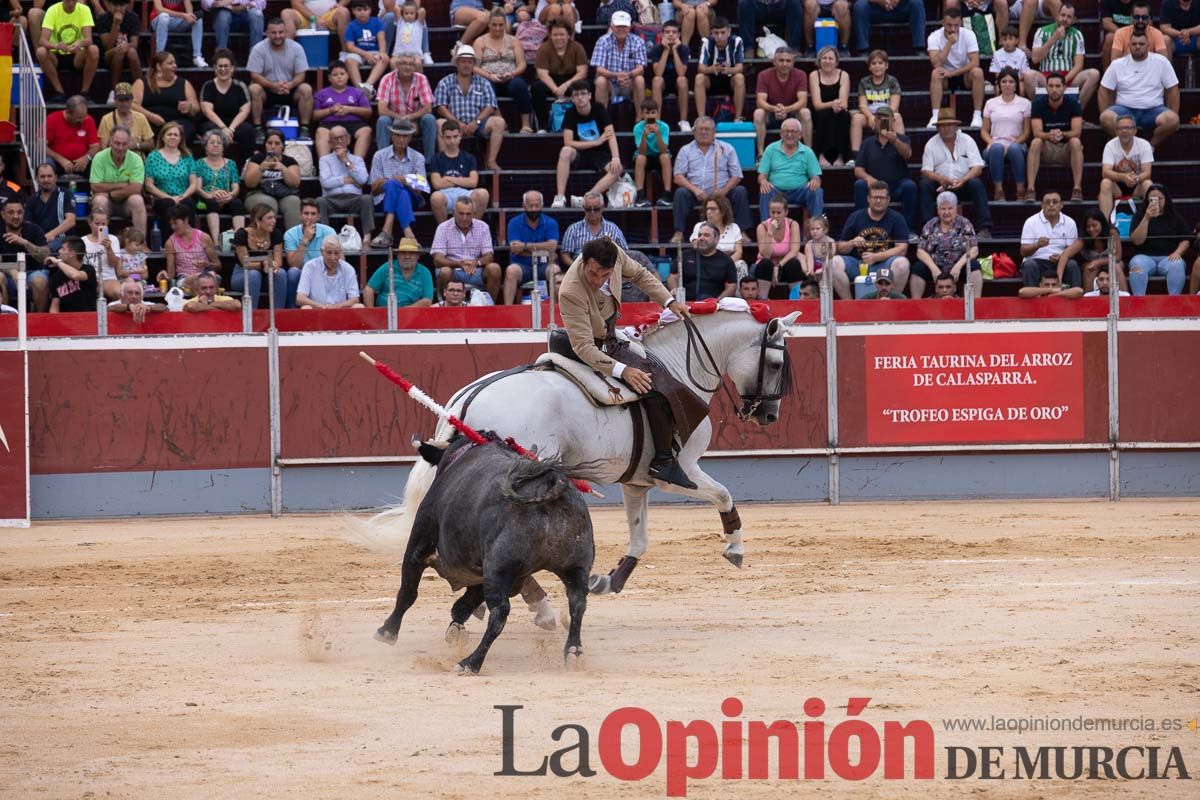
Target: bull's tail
(542, 481)
(388, 531)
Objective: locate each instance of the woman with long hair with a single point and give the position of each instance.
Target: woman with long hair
(273, 180)
(1096, 245)
(779, 267)
(103, 251)
(163, 96)
(829, 85)
(258, 248)
(225, 106)
(501, 60)
(1162, 237)
(1005, 132)
(171, 174)
(219, 186)
(719, 212)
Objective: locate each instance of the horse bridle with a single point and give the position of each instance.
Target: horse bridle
(750, 402)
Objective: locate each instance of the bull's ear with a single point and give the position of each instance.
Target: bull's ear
(431, 452)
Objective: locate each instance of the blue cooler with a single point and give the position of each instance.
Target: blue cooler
(741, 136)
(316, 47)
(81, 204)
(283, 122)
(826, 31)
(16, 82)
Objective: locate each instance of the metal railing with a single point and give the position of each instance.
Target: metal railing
(32, 108)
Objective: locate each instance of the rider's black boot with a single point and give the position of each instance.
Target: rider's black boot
(664, 467)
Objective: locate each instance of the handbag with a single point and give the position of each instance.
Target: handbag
(1003, 266)
(558, 111)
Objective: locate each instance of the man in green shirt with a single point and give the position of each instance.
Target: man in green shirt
(1058, 49)
(413, 282)
(789, 167)
(117, 179)
(65, 31)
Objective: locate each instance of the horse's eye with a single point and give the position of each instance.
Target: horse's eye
(773, 366)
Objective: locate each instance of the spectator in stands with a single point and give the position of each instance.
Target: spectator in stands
(1058, 49)
(951, 161)
(73, 285)
(693, 16)
(945, 287)
(133, 255)
(71, 140)
(408, 35)
(452, 174)
(620, 62)
(225, 106)
(118, 29)
(872, 12)
(102, 251)
(790, 168)
(50, 208)
(831, 110)
(589, 142)
(819, 248)
(462, 249)
(278, 69)
(707, 272)
(719, 213)
(528, 233)
(364, 45)
(748, 288)
(163, 96)
(1156, 41)
(65, 32)
(131, 301)
(1050, 285)
(118, 178)
(781, 93)
(220, 185)
(207, 297)
(721, 68)
(1162, 238)
(651, 151)
(1124, 166)
(810, 289)
(1141, 85)
(883, 287)
(344, 177)
(884, 157)
(141, 136)
(12, 11)
(877, 90)
(470, 101)
(669, 68)
(412, 282)
(1047, 9)
(273, 180)
(839, 11)
(1180, 21)
(1049, 243)
(8, 188)
(258, 248)
(550, 11)
(328, 281)
(189, 250)
(22, 236)
(1097, 244)
(1005, 131)
(706, 168)
(341, 105)
(1114, 15)
(405, 93)
(872, 238)
(454, 294)
(302, 243)
(947, 247)
(1056, 127)
(175, 16)
(1103, 285)
(171, 178)
(240, 15)
(501, 61)
(471, 15)
(954, 54)
(398, 183)
(321, 15)
(792, 14)
(560, 62)
(592, 226)
(779, 241)
(998, 10)
(1010, 55)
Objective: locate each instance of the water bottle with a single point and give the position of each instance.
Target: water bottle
(155, 238)
(312, 23)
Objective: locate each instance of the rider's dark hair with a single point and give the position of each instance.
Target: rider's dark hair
(603, 251)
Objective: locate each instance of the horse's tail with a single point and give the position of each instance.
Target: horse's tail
(387, 531)
(543, 481)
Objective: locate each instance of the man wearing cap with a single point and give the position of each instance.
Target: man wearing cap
(951, 162)
(884, 157)
(470, 100)
(141, 135)
(397, 182)
(412, 283)
(883, 287)
(620, 62)
(71, 139)
(528, 233)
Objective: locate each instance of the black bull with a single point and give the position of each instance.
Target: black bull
(490, 520)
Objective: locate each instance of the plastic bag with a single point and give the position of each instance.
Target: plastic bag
(351, 240)
(623, 193)
(174, 298)
(768, 43)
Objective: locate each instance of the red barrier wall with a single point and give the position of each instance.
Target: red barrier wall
(12, 441)
(1159, 375)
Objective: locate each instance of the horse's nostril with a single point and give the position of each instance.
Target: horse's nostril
(771, 417)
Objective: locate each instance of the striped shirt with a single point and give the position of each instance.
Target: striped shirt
(1060, 57)
(733, 53)
(579, 234)
(710, 170)
(467, 106)
(419, 93)
(450, 241)
(614, 58)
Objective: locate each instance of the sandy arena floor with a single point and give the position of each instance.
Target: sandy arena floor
(233, 657)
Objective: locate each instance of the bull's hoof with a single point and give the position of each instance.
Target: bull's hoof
(463, 668)
(385, 636)
(600, 584)
(573, 658)
(734, 558)
(543, 615)
(456, 636)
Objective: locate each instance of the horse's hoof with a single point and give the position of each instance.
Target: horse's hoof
(456, 635)
(385, 636)
(480, 611)
(462, 668)
(543, 615)
(573, 659)
(734, 558)
(600, 584)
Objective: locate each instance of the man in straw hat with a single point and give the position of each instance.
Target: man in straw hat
(412, 282)
(951, 162)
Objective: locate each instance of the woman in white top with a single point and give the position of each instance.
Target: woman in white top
(719, 212)
(103, 252)
(1005, 132)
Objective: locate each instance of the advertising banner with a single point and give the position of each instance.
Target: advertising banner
(965, 388)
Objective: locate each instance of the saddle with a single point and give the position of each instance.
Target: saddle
(599, 389)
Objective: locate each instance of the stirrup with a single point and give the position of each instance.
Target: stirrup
(668, 470)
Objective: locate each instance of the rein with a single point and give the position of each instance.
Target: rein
(750, 402)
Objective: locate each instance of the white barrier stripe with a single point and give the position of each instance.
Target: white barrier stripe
(978, 326)
(217, 341)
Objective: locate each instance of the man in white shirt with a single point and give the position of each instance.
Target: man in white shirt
(951, 163)
(954, 54)
(1104, 285)
(1049, 242)
(1142, 85)
(1125, 166)
(328, 281)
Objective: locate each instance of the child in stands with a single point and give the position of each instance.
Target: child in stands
(650, 136)
(364, 45)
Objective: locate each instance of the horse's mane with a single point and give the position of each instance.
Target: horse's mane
(656, 327)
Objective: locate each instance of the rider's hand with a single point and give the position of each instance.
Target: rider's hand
(638, 380)
(679, 309)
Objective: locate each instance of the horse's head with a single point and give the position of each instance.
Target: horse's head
(761, 372)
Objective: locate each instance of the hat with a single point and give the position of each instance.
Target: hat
(884, 111)
(622, 18)
(403, 127)
(408, 245)
(464, 50)
(883, 274)
(123, 90)
(946, 117)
